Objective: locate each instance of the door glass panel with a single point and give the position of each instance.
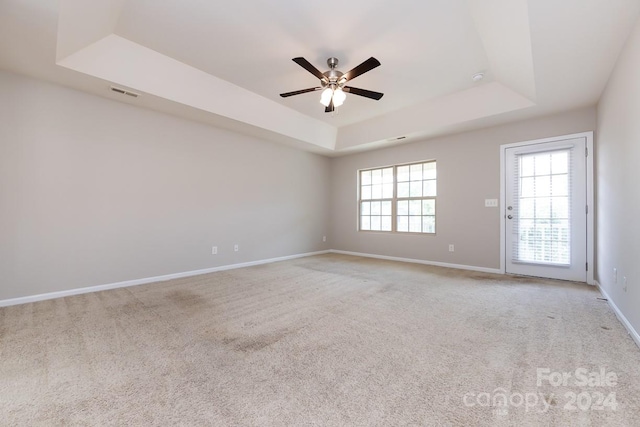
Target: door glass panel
(541, 206)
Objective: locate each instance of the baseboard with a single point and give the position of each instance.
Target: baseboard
(420, 261)
(127, 283)
(634, 334)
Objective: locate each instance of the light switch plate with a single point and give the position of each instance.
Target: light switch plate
(490, 203)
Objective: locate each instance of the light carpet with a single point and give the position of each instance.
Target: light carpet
(329, 340)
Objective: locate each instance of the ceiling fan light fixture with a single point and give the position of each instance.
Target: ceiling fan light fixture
(332, 82)
(325, 98)
(338, 97)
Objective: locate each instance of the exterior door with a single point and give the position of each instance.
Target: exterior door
(546, 210)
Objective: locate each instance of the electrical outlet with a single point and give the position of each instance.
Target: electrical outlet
(615, 275)
(451, 248)
(214, 250)
(236, 248)
(624, 283)
(324, 238)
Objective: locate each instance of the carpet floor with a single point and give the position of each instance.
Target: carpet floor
(328, 340)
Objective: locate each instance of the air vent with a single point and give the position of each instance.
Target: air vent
(396, 139)
(124, 92)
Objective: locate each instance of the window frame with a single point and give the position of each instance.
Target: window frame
(395, 199)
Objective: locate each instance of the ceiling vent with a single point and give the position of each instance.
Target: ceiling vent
(396, 139)
(124, 92)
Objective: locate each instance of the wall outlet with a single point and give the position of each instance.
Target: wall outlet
(451, 248)
(615, 275)
(490, 203)
(624, 283)
(324, 238)
(214, 250)
(236, 248)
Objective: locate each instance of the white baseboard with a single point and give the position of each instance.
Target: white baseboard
(77, 291)
(634, 334)
(420, 261)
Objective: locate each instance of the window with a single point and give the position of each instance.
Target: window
(399, 198)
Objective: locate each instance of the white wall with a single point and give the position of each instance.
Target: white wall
(618, 183)
(94, 192)
(468, 173)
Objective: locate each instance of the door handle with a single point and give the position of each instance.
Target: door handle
(510, 216)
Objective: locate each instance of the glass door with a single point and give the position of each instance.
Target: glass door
(546, 217)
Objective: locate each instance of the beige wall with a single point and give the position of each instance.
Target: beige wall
(618, 182)
(468, 173)
(94, 192)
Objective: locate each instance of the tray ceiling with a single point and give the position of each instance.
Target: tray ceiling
(225, 63)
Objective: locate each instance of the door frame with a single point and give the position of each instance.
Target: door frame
(590, 196)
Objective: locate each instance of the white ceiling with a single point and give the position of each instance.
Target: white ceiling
(225, 63)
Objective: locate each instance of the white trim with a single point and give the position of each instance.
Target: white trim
(420, 261)
(590, 216)
(634, 334)
(126, 283)
(591, 223)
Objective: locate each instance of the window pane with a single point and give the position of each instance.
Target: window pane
(365, 208)
(428, 207)
(403, 190)
(428, 224)
(543, 186)
(365, 223)
(559, 185)
(375, 223)
(543, 208)
(366, 192)
(415, 224)
(543, 164)
(561, 228)
(376, 176)
(386, 208)
(403, 223)
(387, 191)
(559, 162)
(387, 175)
(416, 189)
(375, 208)
(560, 208)
(563, 253)
(527, 188)
(403, 173)
(429, 170)
(365, 177)
(416, 172)
(526, 166)
(376, 191)
(415, 207)
(386, 223)
(429, 188)
(403, 207)
(527, 208)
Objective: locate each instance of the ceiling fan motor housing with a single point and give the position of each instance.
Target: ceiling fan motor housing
(333, 76)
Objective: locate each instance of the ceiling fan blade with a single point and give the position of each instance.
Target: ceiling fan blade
(367, 65)
(330, 107)
(310, 68)
(298, 92)
(363, 92)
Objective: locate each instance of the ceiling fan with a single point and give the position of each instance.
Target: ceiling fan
(333, 82)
